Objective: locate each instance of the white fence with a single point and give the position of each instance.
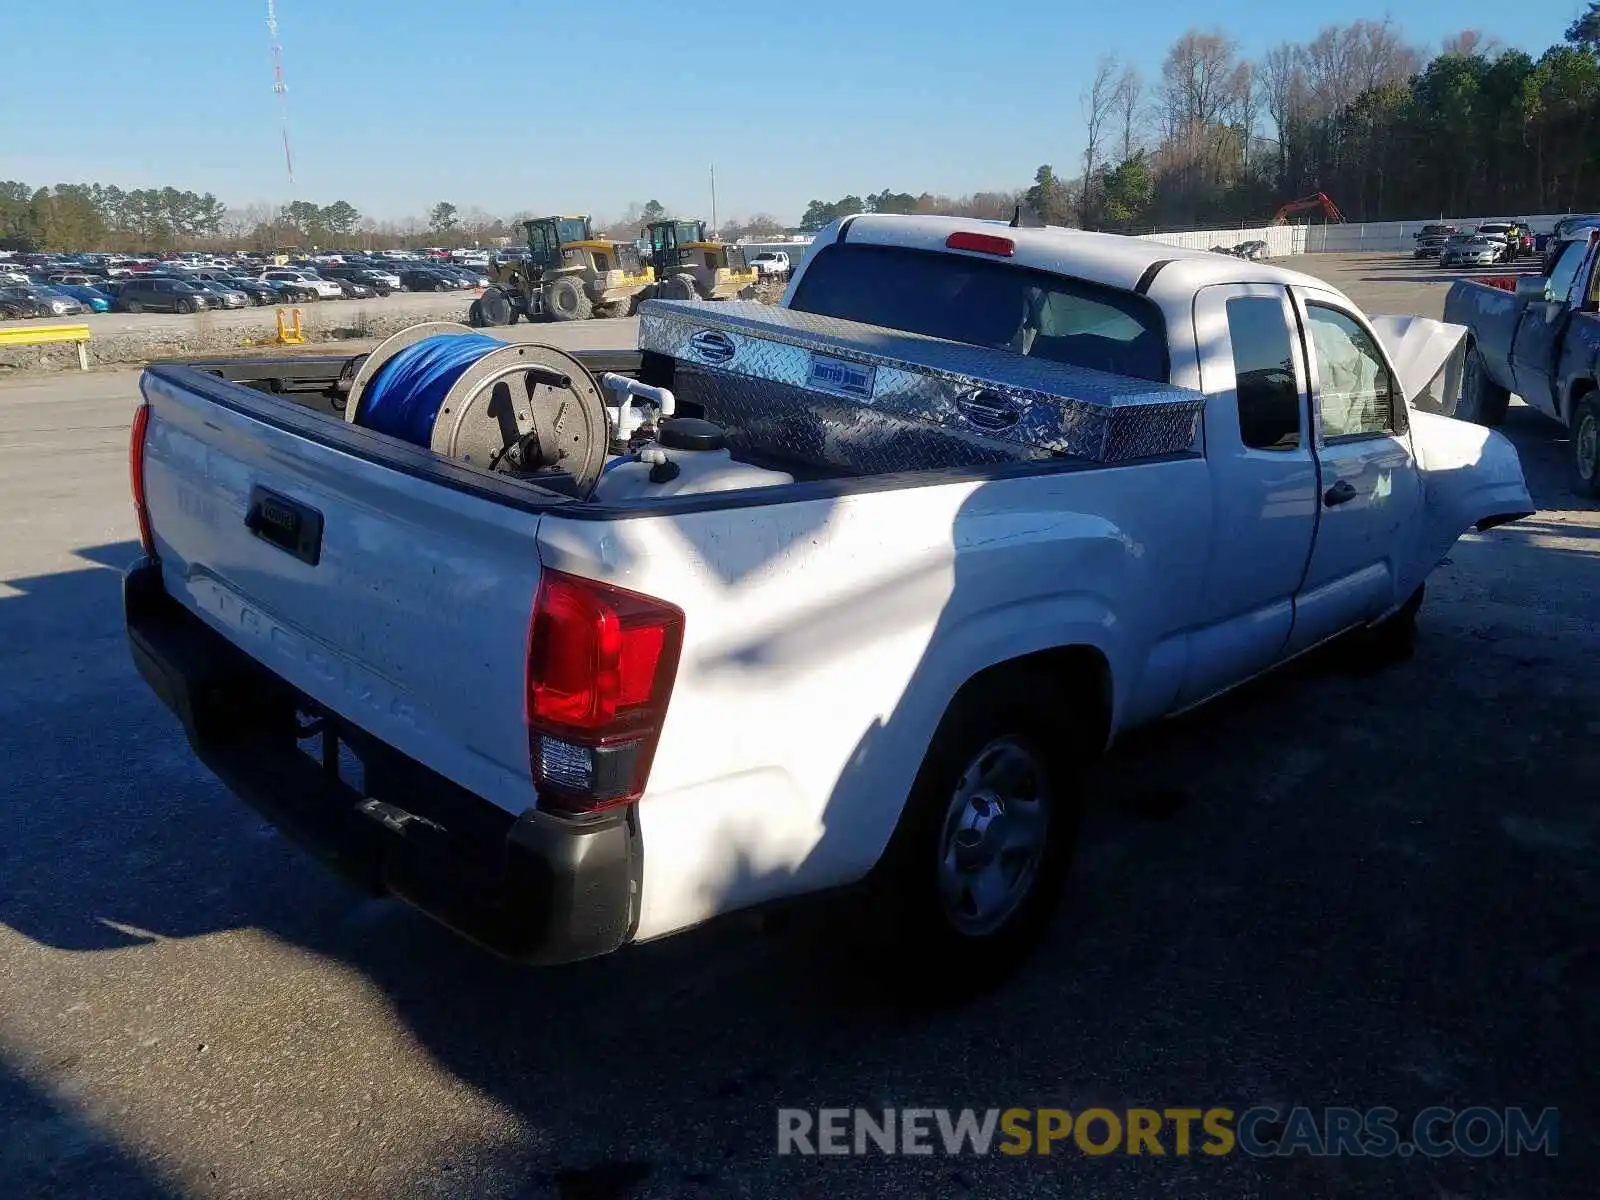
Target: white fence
(1280, 239)
(1376, 236)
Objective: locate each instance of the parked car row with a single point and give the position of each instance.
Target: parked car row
(53, 289)
(1490, 244)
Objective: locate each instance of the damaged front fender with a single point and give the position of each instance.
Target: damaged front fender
(1471, 479)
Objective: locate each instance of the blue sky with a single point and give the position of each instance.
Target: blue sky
(395, 104)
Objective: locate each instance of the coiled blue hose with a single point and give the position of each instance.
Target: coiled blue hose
(403, 398)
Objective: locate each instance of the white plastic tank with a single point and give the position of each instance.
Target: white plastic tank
(688, 456)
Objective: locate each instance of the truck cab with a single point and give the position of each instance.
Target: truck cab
(1538, 337)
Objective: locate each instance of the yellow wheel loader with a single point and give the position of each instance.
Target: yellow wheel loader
(689, 266)
(567, 274)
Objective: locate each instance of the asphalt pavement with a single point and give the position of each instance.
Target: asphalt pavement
(1330, 889)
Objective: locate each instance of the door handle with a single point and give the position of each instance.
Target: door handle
(1340, 493)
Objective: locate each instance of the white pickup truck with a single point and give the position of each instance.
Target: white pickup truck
(875, 649)
(773, 264)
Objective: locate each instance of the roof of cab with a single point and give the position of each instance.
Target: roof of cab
(1112, 259)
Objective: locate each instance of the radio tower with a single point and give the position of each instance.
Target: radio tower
(281, 88)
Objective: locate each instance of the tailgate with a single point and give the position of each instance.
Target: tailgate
(406, 612)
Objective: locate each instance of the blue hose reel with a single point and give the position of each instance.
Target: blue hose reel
(511, 407)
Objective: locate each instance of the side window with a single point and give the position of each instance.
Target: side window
(1565, 271)
(1263, 364)
(1358, 396)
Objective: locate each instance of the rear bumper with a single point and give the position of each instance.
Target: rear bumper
(535, 888)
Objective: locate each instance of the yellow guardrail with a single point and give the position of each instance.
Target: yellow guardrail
(44, 335)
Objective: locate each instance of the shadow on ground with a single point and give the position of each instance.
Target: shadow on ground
(48, 1152)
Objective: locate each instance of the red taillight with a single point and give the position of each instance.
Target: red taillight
(601, 664)
(983, 243)
(141, 422)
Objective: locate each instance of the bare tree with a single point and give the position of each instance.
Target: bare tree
(1198, 89)
(1285, 95)
(239, 223)
(1246, 108)
(1097, 103)
(1382, 56)
(1472, 43)
(1197, 78)
(1343, 61)
(1128, 106)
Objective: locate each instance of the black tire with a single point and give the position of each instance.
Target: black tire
(475, 314)
(677, 287)
(648, 292)
(133, 306)
(495, 307)
(1483, 401)
(441, 287)
(186, 306)
(565, 300)
(929, 931)
(1586, 443)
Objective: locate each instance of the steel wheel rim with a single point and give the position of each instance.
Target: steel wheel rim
(993, 839)
(1588, 447)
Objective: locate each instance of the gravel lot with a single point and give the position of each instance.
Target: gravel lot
(1328, 890)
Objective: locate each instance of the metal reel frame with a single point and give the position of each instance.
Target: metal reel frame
(390, 347)
(572, 416)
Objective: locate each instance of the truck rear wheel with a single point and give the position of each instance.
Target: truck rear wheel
(1586, 443)
(1483, 401)
(975, 868)
(565, 300)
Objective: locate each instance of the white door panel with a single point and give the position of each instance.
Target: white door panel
(1369, 492)
(1263, 483)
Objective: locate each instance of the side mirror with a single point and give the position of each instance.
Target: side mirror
(1533, 287)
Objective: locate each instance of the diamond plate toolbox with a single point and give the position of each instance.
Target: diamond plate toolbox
(870, 400)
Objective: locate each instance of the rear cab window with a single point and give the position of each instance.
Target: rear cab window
(985, 303)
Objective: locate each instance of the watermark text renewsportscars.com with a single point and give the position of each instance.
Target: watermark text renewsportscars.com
(1261, 1131)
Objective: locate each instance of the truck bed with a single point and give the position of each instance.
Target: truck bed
(1491, 313)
